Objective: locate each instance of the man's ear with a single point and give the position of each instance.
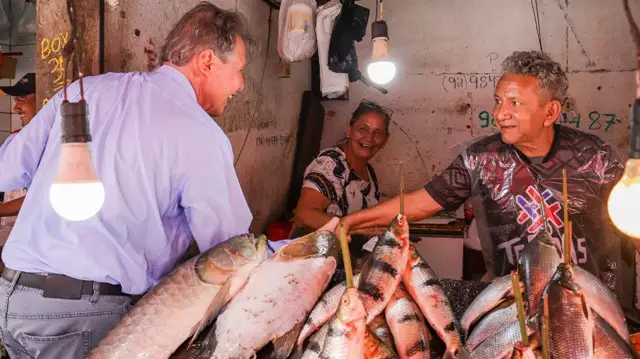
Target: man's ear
(553, 110)
(206, 61)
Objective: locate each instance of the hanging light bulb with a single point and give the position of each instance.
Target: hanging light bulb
(381, 70)
(624, 200)
(76, 193)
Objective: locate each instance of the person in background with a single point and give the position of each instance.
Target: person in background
(167, 170)
(23, 93)
(340, 180)
(509, 174)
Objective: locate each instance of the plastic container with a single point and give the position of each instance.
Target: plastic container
(278, 231)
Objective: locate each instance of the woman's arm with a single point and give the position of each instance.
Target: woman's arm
(11, 208)
(310, 211)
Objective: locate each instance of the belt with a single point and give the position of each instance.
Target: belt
(60, 286)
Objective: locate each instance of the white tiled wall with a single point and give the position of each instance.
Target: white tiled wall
(26, 63)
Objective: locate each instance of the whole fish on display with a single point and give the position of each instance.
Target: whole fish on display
(189, 296)
(380, 328)
(409, 329)
(490, 324)
(608, 344)
(345, 337)
(314, 348)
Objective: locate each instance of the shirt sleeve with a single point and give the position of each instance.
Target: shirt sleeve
(453, 186)
(212, 198)
(20, 155)
(612, 169)
(321, 176)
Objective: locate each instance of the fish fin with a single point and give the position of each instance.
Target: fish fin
(215, 308)
(209, 344)
(284, 345)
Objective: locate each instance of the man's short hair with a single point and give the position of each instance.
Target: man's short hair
(205, 27)
(550, 75)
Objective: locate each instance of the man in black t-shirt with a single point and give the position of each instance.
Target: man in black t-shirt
(505, 174)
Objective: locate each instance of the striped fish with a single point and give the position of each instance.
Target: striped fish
(424, 287)
(345, 337)
(380, 328)
(314, 348)
(408, 327)
(374, 348)
(326, 307)
(383, 271)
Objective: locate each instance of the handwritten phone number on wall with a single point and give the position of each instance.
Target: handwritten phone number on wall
(469, 81)
(597, 121)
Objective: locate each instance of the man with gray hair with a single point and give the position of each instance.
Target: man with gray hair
(168, 174)
(508, 175)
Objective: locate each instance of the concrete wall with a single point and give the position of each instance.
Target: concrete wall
(448, 55)
(269, 105)
(11, 42)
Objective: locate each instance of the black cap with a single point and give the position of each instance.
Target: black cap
(25, 86)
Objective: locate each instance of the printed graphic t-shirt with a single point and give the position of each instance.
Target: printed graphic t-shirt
(506, 189)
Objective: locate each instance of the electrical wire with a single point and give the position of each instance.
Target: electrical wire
(264, 71)
(536, 18)
(74, 50)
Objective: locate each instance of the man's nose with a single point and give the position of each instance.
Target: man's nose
(16, 107)
(501, 113)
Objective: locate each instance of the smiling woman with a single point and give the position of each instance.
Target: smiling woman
(340, 180)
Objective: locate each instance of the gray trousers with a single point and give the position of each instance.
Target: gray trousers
(35, 327)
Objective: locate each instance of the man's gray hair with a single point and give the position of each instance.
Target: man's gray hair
(204, 27)
(550, 75)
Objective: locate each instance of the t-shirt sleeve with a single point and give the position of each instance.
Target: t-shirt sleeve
(612, 168)
(453, 186)
(321, 175)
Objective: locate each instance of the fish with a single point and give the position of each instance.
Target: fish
(490, 324)
(173, 310)
(409, 329)
(607, 342)
(383, 270)
(495, 293)
(537, 263)
(525, 352)
(570, 321)
(316, 342)
(374, 348)
(275, 301)
(502, 343)
(602, 301)
(379, 327)
(345, 337)
(326, 307)
(425, 289)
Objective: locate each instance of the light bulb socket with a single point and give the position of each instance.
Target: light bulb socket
(379, 30)
(75, 124)
(634, 132)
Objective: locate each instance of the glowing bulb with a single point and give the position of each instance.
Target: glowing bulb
(76, 194)
(624, 200)
(381, 72)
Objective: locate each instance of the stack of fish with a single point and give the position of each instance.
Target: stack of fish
(233, 301)
(581, 315)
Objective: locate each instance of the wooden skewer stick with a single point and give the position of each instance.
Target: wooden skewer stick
(567, 231)
(515, 280)
(401, 188)
(545, 328)
(346, 256)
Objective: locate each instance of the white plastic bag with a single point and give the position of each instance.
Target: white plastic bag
(332, 84)
(296, 30)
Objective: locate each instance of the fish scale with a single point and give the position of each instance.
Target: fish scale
(501, 344)
(570, 322)
(537, 263)
(374, 348)
(490, 324)
(425, 289)
(383, 271)
(314, 348)
(608, 344)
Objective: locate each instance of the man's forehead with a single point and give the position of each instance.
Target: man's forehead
(517, 83)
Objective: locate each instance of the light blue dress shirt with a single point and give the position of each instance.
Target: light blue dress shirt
(168, 174)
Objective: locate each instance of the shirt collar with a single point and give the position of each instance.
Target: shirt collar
(178, 77)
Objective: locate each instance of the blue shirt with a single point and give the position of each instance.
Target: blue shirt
(168, 174)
